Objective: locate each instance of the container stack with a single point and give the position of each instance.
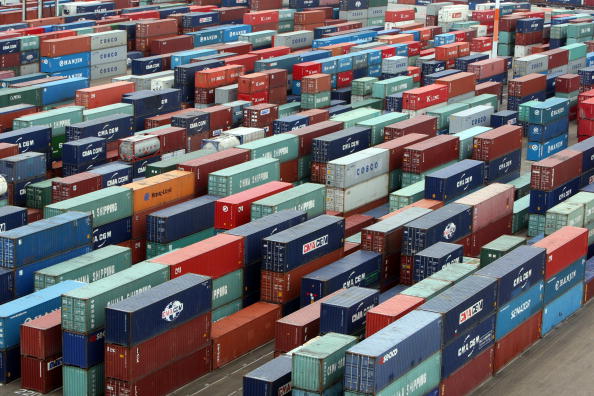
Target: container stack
(501, 149)
(83, 155)
(307, 197)
(547, 126)
(346, 312)
(282, 147)
(315, 91)
(66, 56)
(420, 158)
(568, 86)
(585, 117)
(19, 171)
(434, 258)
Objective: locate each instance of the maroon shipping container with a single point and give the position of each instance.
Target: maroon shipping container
(243, 331)
(34, 215)
(489, 204)
(277, 78)
(164, 119)
(220, 118)
(527, 85)
(351, 247)
(552, 172)
(260, 115)
(202, 166)
(8, 150)
(307, 134)
(588, 290)
(430, 153)
(469, 376)
(475, 241)
(424, 124)
(250, 83)
(563, 247)
(490, 87)
(406, 264)
(516, 342)
(230, 14)
(355, 223)
(282, 287)
(65, 46)
(488, 67)
(42, 337)
(529, 38)
(6, 119)
(318, 172)
(41, 375)
(299, 327)
(132, 363)
(567, 83)
(171, 139)
(316, 83)
(167, 379)
(420, 98)
(315, 115)
(156, 28)
(497, 142)
(389, 311)
(397, 146)
(289, 171)
(557, 57)
(137, 248)
(459, 83)
(171, 44)
(75, 185)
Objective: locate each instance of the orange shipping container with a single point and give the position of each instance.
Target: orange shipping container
(160, 189)
(459, 83)
(65, 46)
(103, 95)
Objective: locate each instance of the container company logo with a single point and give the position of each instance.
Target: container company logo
(172, 311)
(449, 231)
(469, 345)
(157, 194)
(389, 355)
(522, 279)
(315, 244)
(471, 311)
(464, 182)
(505, 165)
(52, 364)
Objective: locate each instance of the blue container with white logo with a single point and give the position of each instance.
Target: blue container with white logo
(529, 25)
(518, 310)
(562, 307)
(271, 379)
(147, 65)
(434, 258)
(139, 167)
(18, 193)
(431, 78)
(61, 90)
(515, 101)
(114, 173)
(110, 128)
(500, 168)
(537, 151)
(463, 62)
(12, 217)
(468, 346)
(289, 123)
(346, 312)
(544, 132)
(66, 62)
(194, 122)
(200, 19)
(83, 350)
(112, 233)
(541, 201)
(377, 361)
(504, 117)
(455, 180)
(586, 147)
(10, 364)
(446, 224)
(84, 151)
(360, 268)
(23, 167)
(9, 46)
(24, 309)
(83, 72)
(163, 307)
(302, 243)
(338, 144)
(564, 280)
(149, 103)
(254, 231)
(463, 305)
(433, 66)
(516, 272)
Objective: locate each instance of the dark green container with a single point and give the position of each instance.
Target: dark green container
(40, 194)
(154, 249)
(499, 247)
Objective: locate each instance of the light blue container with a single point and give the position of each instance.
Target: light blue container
(518, 310)
(561, 308)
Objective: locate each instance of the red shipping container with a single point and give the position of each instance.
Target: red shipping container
(351, 247)
(246, 60)
(447, 51)
(309, 17)
(567, 83)
(202, 166)
(260, 17)
(230, 14)
(282, 287)
(430, 153)
(315, 115)
(41, 337)
(424, 124)
(277, 78)
(497, 142)
(303, 69)
(164, 119)
(258, 5)
(10, 60)
(234, 210)
(396, 147)
(214, 257)
(458, 84)
(464, 47)
(557, 57)
(355, 223)
(156, 27)
(54, 35)
(316, 83)
(250, 83)
(481, 44)
(489, 204)
(469, 376)
(588, 290)
(41, 375)
(527, 85)
(289, 171)
(490, 87)
(220, 118)
(138, 249)
(516, 342)
(414, 47)
(103, 95)
(307, 134)
(255, 97)
(65, 46)
(552, 172)
(318, 172)
(422, 203)
(36, 82)
(136, 16)
(299, 327)
(389, 311)
(586, 107)
(75, 185)
(171, 139)
(132, 363)
(406, 264)
(7, 118)
(475, 241)
(420, 98)
(488, 67)
(483, 15)
(8, 150)
(414, 72)
(400, 15)
(168, 379)
(563, 247)
(277, 95)
(171, 44)
(260, 116)
(243, 331)
(529, 38)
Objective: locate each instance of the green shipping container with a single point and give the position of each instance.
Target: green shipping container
(29, 43)
(467, 140)
(304, 167)
(104, 111)
(520, 214)
(505, 49)
(585, 199)
(564, 214)
(40, 194)
(154, 249)
(407, 195)
(106, 206)
(369, 103)
(443, 113)
(14, 96)
(559, 31)
(363, 86)
(283, 147)
(389, 86)
(288, 109)
(353, 117)
(83, 309)
(308, 197)
(522, 185)
(227, 288)
(483, 99)
(377, 21)
(395, 180)
(356, 238)
(286, 26)
(499, 247)
(409, 178)
(244, 176)
(378, 124)
(536, 224)
(88, 268)
(474, 261)
(454, 272)
(163, 166)
(78, 381)
(320, 364)
(315, 101)
(507, 37)
(590, 227)
(427, 288)
(226, 310)
(576, 51)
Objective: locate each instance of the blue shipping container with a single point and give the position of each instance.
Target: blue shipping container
(586, 147)
(464, 304)
(114, 174)
(360, 268)
(518, 310)
(544, 132)
(468, 346)
(561, 308)
(10, 364)
(194, 122)
(541, 201)
(346, 312)
(112, 233)
(6, 285)
(110, 128)
(537, 151)
(434, 258)
(377, 361)
(564, 280)
(24, 309)
(12, 217)
(338, 144)
(22, 167)
(455, 180)
(18, 193)
(271, 379)
(529, 25)
(500, 168)
(61, 90)
(504, 117)
(66, 62)
(84, 151)
(83, 350)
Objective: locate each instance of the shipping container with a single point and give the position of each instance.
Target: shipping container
(455, 180)
(489, 204)
(430, 153)
(83, 350)
(469, 376)
(239, 178)
(79, 381)
(357, 168)
(432, 259)
(563, 247)
(500, 247)
(41, 338)
(270, 379)
(389, 311)
(517, 341)
(346, 313)
(41, 375)
(517, 310)
(307, 197)
(161, 189)
(561, 308)
(564, 280)
(12, 217)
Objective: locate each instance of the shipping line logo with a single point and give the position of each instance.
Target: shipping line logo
(315, 244)
(471, 311)
(389, 355)
(449, 231)
(172, 311)
(522, 278)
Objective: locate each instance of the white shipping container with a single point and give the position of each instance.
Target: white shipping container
(466, 119)
(353, 15)
(453, 13)
(414, 113)
(433, 8)
(109, 70)
(347, 199)
(575, 65)
(245, 134)
(357, 167)
(481, 30)
(523, 50)
(144, 82)
(394, 64)
(294, 40)
(109, 55)
(220, 143)
(159, 84)
(112, 38)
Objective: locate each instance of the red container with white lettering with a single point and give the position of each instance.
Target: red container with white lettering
(563, 247)
(420, 98)
(41, 375)
(497, 142)
(552, 172)
(301, 70)
(389, 311)
(424, 124)
(430, 153)
(397, 146)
